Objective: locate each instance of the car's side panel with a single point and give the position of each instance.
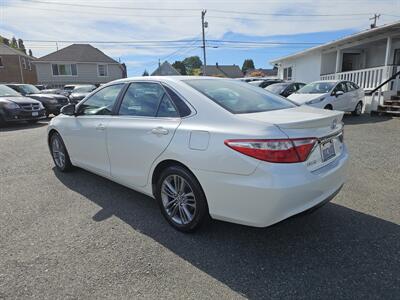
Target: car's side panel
(134, 143)
(85, 139)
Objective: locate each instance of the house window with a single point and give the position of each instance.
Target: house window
(1, 62)
(29, 65)
(287, 73)
(23, 63)
(64, 69)
(102, 70)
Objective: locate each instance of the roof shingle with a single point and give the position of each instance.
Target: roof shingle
(78, 53)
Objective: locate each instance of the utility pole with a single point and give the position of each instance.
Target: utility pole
(375, 18)
(203, 26)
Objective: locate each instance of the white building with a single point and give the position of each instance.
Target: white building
(368, 58)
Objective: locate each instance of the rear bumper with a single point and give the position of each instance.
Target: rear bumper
(272, 193)
(53, 108)
(16, 115)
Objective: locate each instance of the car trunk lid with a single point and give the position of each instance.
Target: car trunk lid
(308, 122)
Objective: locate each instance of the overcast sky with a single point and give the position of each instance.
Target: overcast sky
(158, 20)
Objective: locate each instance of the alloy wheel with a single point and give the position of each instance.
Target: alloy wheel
(178, 199)
(58, 153)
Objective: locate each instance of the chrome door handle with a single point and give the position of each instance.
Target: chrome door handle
(100, 127)
(159, 131)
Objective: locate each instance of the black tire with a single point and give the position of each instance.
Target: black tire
(200, 212)
(329, 107)
(67, 165)
(358, 110)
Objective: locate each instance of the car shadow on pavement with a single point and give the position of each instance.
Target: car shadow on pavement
(23, 126)
(335, 252)
(349, 119)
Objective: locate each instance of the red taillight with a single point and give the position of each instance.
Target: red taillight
(277, 151)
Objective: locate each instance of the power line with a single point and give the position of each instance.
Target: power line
(160, 42)
(194, 10)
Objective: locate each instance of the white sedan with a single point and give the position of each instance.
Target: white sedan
(205, 147)
(338, 95)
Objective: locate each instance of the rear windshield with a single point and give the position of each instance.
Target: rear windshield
(238, 97)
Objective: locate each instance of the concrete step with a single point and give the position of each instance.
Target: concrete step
(391, 102)
(395, 98)
(390, 112)
(389, 108)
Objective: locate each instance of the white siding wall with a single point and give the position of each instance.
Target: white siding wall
(306, 68)
(328, 63)
(87, 73)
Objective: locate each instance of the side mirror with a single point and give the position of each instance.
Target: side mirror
(68, 110)
(338, 93)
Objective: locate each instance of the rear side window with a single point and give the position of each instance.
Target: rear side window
(183, 109)
(238, 97)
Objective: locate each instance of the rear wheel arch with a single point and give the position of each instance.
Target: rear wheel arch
(161, 166)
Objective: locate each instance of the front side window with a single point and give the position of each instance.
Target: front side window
(341, 86)
(64, 69)
(102, 102)
(238, 97)
(147, 99)
(102, 70)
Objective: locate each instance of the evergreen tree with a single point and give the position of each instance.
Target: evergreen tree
(247, 64)
(21, 45)
(14, 43)
(30, 52)
(145, 73)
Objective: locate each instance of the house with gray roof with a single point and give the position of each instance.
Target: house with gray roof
(165, 69)
(228, 71)
(80, 64)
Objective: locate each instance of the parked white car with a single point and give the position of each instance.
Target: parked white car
(338, 95)
(205, 146)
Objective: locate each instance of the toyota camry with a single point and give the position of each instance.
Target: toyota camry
(205, 147)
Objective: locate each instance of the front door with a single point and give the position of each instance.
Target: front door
(85, 135)
(341, 102)
(146, 122)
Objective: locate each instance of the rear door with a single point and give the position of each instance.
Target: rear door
(146, 122)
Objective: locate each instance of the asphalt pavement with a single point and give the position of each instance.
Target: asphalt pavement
(79, 236)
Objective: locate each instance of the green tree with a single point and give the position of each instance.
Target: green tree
(191, 63)
(14, 43)
(21, 45)
(247, 64)
(180, 67)
(4, 40)
(145, 73)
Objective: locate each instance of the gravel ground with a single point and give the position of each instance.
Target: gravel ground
(77, 235)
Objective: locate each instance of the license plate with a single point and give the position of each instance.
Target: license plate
(327, 150)
(35, 114)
